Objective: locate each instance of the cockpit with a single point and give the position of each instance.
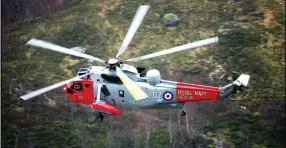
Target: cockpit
(80, 91)
(85, 68)
(74, 86)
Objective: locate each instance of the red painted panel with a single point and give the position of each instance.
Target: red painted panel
(195, 85)
(104, 106)
(87, 91)
(192, 92)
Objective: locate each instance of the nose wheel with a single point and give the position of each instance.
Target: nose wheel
(100, 117)
(183, 113)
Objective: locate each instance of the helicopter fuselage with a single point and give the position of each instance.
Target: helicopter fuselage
(166, 94)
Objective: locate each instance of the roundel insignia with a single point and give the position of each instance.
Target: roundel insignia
(168, 96)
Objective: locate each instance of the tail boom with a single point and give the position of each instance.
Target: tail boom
(187, 92)
(193, 92)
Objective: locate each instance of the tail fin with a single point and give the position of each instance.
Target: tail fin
(229, 89)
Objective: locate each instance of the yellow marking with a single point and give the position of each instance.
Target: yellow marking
(132, 87)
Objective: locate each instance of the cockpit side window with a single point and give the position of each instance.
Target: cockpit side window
(77, 86)
(72, 85)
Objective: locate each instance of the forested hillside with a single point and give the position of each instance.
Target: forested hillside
(251, 41)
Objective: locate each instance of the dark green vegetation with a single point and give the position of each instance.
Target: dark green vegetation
(252, 41)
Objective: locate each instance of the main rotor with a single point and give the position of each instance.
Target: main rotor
(114, 63)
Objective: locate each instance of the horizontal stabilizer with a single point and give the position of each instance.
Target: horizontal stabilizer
(242, 80)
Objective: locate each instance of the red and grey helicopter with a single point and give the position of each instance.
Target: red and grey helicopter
(118, 85)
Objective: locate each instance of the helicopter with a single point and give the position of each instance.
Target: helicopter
(117, 85)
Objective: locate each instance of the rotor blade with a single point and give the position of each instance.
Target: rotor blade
(47, 45)
(132, 87)
(51, 87)
(141, 12)
(178, 48)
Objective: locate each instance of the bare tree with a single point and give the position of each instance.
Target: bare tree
(187, 125)
(179, 123)
(170, 129)
(148, 132)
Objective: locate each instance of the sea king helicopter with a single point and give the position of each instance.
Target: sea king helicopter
(118, 85)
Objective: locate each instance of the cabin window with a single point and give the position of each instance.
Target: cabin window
(69, 91)
(112, 79)
(105, 91)
(83, 70)
(81, 73)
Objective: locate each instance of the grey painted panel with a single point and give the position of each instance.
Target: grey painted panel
(155, 100)
(168, 106)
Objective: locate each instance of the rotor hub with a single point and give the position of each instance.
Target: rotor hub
(113, 63)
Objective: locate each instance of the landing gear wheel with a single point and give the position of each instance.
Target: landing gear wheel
(100, 117)
(183, 113)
